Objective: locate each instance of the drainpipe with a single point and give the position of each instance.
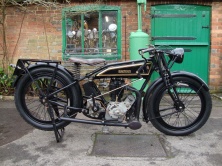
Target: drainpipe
(138, 39)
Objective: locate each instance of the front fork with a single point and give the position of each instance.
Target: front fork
(165, 74)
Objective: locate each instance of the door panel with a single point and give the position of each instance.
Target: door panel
(186, 26)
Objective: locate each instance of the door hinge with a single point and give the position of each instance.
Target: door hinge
(173, 38)
(207, 27)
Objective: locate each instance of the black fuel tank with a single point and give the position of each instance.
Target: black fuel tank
(124, 70)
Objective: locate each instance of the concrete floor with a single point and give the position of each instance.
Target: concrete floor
(86, 145)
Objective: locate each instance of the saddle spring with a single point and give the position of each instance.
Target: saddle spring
(76, 70)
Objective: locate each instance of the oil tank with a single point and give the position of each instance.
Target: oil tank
(138, 40)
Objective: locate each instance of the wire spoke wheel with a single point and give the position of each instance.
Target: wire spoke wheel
(37, 105)
(32, 101)
(180, 117)
(184, 116)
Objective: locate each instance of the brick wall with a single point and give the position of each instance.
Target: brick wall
(37, 33)
(28, 33)
(216, 47)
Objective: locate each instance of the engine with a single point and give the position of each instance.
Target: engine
(99, 112)
(114, 84)
(116, 108)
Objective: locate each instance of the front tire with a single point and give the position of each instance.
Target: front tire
(31, 105)
(193, 113)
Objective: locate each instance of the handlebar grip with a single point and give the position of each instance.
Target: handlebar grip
(147, 50)
(141, 49)
(144, 50)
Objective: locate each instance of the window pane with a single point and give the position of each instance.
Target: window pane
(73, 34)
(91, 33)
(109, 31)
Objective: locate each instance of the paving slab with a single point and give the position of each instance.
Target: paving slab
(128, 146)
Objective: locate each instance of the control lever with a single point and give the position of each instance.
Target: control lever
(139, 71)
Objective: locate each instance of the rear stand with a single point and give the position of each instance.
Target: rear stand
(58, 132)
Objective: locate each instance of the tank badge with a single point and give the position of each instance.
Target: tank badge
(124, 71)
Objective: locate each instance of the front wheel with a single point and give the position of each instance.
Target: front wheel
(187, 115)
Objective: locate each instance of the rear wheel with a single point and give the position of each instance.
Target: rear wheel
(33, 106)
(187, 115)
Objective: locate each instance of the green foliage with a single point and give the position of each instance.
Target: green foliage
(6, 82)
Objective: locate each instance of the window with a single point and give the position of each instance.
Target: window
(93, 31)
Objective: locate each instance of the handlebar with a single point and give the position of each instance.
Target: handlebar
(154, 50)
(175, 55)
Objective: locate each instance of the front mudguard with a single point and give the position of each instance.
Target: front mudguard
(159, 81)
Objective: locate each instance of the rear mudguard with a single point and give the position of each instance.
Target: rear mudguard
(39, 65)
(52, 65)
(159, 81)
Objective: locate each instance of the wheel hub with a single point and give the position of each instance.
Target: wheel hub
(43, 100)
(179, 106)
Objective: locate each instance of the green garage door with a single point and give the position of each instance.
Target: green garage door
(186, 26)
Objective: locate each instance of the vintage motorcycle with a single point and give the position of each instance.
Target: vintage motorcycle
(49, 97)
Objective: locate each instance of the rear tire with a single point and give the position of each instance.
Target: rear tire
(33, 108)
(196, 103)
